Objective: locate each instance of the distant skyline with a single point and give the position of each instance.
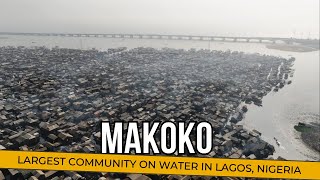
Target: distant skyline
(276, 18)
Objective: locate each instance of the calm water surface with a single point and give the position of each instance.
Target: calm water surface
(281, 110)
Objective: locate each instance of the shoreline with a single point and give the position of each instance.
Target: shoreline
(309, 134)
(291, 48)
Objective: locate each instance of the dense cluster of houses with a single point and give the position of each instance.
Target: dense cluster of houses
(55, 99)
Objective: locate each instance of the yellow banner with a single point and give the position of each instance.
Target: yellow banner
(159, 165)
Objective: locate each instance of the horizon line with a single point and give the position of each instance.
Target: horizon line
(149, 34)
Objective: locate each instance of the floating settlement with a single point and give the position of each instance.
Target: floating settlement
(55, 99)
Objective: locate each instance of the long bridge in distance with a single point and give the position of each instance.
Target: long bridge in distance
(169, 37)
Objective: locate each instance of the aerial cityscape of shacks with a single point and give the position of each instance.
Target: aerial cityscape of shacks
(55, 99)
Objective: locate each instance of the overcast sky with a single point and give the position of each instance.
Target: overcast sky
(283, 18)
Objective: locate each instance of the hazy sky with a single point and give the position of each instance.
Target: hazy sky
(198, 17)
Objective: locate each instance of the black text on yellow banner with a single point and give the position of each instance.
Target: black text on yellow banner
(159, 165)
